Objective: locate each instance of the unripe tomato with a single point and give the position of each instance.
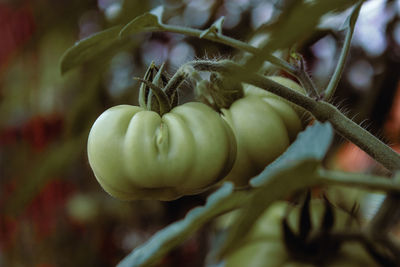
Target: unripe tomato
(137, 154)
(264, 125)
(289, 112)
(264, 245)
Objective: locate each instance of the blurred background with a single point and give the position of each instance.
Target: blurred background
(52, 210)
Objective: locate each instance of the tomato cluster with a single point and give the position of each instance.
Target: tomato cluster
(136, 153)
(264, 125)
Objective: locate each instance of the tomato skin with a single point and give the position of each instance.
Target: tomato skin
(264, 125)
(289, 112)
(136, 154)
(261, 137)
(264, 245)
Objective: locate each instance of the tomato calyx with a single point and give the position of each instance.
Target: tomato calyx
(321, 245)
(157, 92)
(220, 92)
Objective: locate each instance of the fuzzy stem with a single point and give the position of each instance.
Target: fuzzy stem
(219, 38)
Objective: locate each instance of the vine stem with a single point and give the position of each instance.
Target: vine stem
(220, 38)
(328, 177)
(334, 81)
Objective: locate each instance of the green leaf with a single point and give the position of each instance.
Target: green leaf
(89, 48)
(147, 22)
(296, 169)
(301, 20)
(215, 28)
(165, 240)
(352, 19)
(313, 143)
(295, 25)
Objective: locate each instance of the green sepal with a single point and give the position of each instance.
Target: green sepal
(152, 99)
(171, 89)
(163, 101)
(144, 89)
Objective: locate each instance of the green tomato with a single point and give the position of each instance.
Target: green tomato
(136, 154)
(289, 112)
(264, 125)
(264, 245)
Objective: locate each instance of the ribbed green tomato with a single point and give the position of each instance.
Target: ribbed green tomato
(136, 154)
(264, 245)
(264, 125)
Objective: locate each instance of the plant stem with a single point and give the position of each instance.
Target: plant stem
(219, 38)
(333, 83)
(306, 81)
(373, 182)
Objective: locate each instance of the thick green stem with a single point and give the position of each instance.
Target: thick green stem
(333, 83)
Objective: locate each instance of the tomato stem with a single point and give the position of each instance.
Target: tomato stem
(333, 83)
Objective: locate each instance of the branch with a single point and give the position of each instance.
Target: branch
(333, 83)
(366, 181)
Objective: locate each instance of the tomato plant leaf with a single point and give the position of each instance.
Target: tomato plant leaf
(89, 48)
(147, 22)
(224, 199)
(313, 143)
(293, 26)
(352, 19)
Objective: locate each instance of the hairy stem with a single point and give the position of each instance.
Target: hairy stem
(219, 38)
